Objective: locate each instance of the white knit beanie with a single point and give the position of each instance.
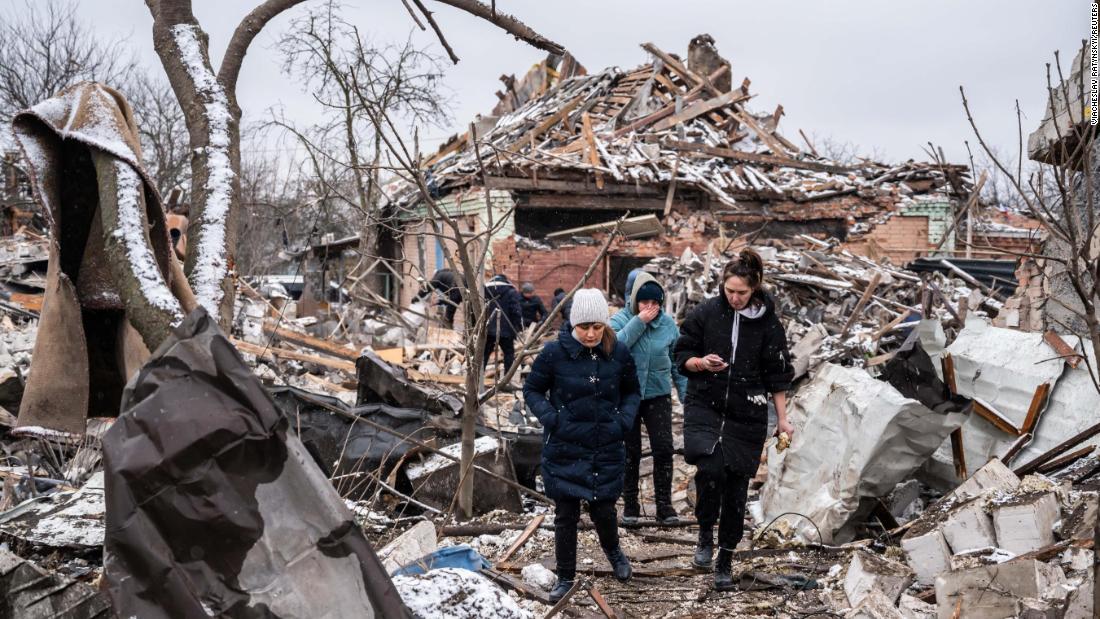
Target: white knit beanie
(588, 306)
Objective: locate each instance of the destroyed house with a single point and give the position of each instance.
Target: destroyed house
(673, 145)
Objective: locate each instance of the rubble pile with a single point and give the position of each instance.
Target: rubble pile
(836, 306)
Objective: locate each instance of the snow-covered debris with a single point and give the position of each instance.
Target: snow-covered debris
(453, 593)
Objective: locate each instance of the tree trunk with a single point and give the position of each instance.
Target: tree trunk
(150, 305)
(213, 125)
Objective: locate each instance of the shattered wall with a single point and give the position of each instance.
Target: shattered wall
(424, 252)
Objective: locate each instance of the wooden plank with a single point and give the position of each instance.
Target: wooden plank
(632, 227)
(1015, 448)
(890, 325)
(600, 203)
(863, 299)
(1058, 450)
(509, 582)
(564, 600)
(1038, 403)
(1058, 463)
(29, 302)
(392, 355)
(548, 122)
(757, 158)
(523, 537)
(301, 339)
(272, 352)
(593, 152)
(958, 454)
(949, 373)
(993, 416)
(672, 187)
(698, 109)
(610, 188)
(765, 136)
(597, 597)
(1056, 342)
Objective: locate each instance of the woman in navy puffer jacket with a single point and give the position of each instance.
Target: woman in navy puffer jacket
(584, 390)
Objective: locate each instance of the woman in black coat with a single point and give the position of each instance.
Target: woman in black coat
(584, 390)
(734, 352)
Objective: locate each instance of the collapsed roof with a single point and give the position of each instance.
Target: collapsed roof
(669, 126)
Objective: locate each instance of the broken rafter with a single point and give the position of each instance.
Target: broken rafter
(698, 109)
(757, 158)
(546, 123)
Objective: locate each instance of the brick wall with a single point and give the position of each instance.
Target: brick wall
(900, 238)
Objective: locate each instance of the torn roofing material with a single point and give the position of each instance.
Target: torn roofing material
(216, 509)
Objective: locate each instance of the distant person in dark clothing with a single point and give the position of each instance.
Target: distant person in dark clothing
(559, 294)
(505, 318)
(534, 312)
(446, 283)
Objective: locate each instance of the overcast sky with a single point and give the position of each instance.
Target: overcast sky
(882, 75)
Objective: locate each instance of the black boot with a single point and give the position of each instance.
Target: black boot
(704, 550)
(666, 515)
(723, 568)
(631, 511)
(560, 590)
(619, 563)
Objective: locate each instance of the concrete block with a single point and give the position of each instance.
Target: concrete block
(992, 592)
(418, 541)
(980, 557)
(875, 605)
(993, 476)
(928, 555)
(1026, 523)
(968, 527)
(870, 572)
(913, 608)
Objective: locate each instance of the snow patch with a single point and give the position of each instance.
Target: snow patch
(130, 233)
(211, 263)
(453, 593)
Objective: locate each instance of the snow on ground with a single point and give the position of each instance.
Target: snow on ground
(453, 593)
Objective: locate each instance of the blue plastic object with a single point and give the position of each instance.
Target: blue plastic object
(462, 556)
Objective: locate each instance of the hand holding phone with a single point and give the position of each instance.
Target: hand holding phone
(714, 363)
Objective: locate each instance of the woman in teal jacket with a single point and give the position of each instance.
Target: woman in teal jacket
(650, 334)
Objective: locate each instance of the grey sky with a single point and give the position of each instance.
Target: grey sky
(883, 75)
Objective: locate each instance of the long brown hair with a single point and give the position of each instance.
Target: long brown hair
(608, 340)
(748, 265)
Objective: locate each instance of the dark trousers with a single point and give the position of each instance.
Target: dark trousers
(507, 346)
(567, 512)
(657, 415)
(721, 493)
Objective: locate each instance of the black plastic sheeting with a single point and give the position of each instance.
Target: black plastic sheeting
(342, 447)
(912, 373)
(997, 274)
(215, 509)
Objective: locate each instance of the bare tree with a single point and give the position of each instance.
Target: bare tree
(1062, 195)
(44, 48)
(469, 235)
(162, 131)
(209, 102)
(356, 84)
